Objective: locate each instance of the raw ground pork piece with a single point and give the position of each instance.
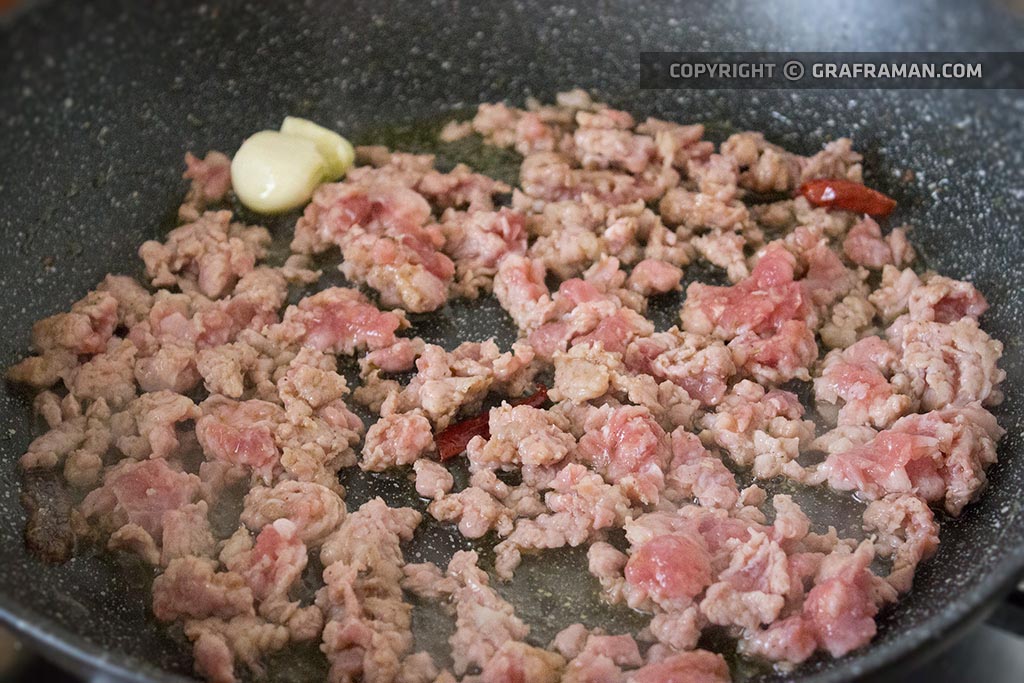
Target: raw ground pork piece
(595, 308)
(581, 504)
(210, 181)
(699, 364)
(339, 320)
(193, 588)
(384, 239)
(589, 373)
(314, 509)
(520, 288)
(628, 448)
(759, 429)
(448, 382)
(218, 643)
(695, 473)
(61, 338)
(396, 439)
(208, 255)
(550, 177)
(178, 327)
(838, 613)
(861, 379)
(135, 500)
(769, 317)
(865, 246)
(310, 437)
(536, 128)
(486, 627)
(380, 217)
(950, 364)
(929, 297)
(743, 574)
(940, 456)
(477, 242)
(521, 435)
(850, 319)
(433, 479)
(765, 167)
(76, 443)
(594, 656)
(573, 235)
(367, 631)
(907, 531)
(218, 608)
(487, 503)
(271, 565)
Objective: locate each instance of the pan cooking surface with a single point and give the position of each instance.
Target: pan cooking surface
(95, 122)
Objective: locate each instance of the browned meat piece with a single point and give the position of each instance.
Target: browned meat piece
(48, 505)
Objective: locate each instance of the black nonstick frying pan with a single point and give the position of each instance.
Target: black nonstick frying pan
(98, 103)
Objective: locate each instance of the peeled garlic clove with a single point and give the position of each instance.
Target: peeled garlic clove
(274, 172)
(337, 152)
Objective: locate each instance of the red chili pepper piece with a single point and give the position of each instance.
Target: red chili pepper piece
(835, 193)
(452, 440)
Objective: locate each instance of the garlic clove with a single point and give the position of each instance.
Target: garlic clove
(273, 172)
(337, 152)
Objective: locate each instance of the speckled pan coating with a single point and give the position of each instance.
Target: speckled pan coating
(99, 103)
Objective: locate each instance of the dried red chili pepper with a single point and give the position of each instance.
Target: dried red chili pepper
(835, 193)
(452, 440)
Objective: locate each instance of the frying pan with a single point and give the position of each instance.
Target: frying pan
(98, 103)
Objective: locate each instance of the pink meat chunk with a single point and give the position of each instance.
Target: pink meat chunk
(785, 355)
(520, 288)
(759, 304)
(654, 277)
(629, 448)
(385, 242)
(671, 569)
(697, 666)
(313, 508)
(241, 433)
(950, 364)
(550, 176)
(940, 456)
(865, 246)
(842, 608)
(141, 493)
(695, 473)
(478, 241)
(860, 377)
(699, 364)
(341, 321)
(397, 439)
(208, 255)
(210, 181)
(191, 587)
